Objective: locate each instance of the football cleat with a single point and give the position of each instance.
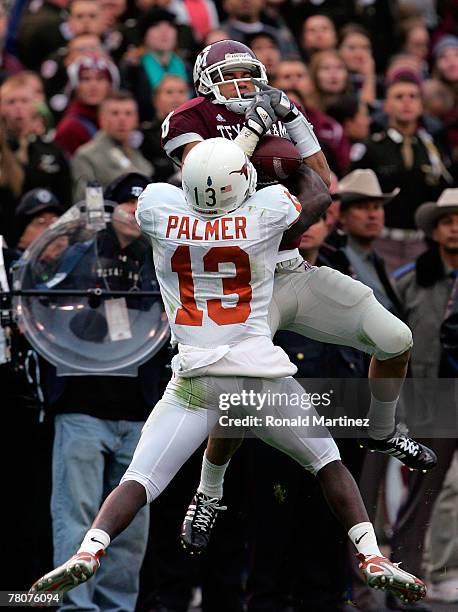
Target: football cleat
(381, 573)
(198, 523)
(413, 454)
(72, 573)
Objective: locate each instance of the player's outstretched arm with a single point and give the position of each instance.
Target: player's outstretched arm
(299, 129)
(314, 198)
(319, 164)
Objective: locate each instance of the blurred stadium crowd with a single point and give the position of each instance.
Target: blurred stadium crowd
(85, 86)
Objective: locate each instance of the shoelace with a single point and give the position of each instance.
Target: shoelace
(406, 444)
(205, 513)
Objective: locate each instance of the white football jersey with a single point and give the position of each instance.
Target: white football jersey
(216, 274)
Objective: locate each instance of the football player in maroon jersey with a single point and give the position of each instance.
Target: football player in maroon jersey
(234, 101)
(223, 78)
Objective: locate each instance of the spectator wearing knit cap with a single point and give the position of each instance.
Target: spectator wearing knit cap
(155, 60)
(92, 77)
(54, 75)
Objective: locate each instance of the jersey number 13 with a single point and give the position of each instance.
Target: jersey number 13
(189, 313)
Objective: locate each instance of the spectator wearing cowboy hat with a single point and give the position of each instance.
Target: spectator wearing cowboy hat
(425, 287)
(362, 218)
(110, 153)
(92, 77)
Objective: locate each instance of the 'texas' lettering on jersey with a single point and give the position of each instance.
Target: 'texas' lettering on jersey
(184, 227)
(232, 131)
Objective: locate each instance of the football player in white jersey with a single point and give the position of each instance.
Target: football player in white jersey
(214, 247)
(319, 303)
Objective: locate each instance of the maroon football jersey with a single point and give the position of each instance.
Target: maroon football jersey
(199, 119)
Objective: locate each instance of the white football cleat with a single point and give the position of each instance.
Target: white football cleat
(69, 575)
(383, 574)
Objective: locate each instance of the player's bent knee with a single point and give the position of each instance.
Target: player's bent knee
(400, 360)
(152, 490)
(328, 456)
(389, 336)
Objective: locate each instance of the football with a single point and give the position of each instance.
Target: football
(275, 159)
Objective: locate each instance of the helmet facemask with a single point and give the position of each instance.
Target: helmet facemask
(212, 77)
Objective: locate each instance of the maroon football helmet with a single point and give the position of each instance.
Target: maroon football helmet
(218, 58)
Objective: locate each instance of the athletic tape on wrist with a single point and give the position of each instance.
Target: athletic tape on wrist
(302, 134)
(247, 140)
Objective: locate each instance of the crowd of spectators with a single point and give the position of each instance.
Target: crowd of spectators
(85, 86)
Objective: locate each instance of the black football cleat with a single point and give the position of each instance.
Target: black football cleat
(198, 523)
(413, 454)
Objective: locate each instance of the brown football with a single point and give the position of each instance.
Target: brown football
(275, 159)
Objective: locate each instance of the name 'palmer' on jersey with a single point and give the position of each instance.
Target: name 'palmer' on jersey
(216, 275)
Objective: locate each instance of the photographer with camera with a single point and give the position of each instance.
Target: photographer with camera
(98, 418)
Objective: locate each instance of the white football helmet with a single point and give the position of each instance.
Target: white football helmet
(218, 58)
(217, 177)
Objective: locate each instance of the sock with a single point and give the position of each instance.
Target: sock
(94, 540)
(381, 418)
(363, 537)
(212, 478)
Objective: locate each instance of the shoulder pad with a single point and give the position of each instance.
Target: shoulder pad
(403, 270)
